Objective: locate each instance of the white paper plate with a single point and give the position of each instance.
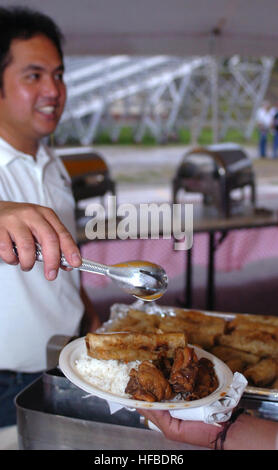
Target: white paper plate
(74, 350)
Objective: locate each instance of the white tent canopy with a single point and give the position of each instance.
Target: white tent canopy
(173, 27)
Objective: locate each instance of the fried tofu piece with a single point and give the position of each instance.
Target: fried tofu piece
(274, 385)
(236, 360)
(204, 336)
(172, 324)
(263, 373)
(136, 321)
(245, 324)
(133, 346)
(266, 319)
(200, 329)
(225, 353)
(236, 365)
(195, 316)
(259, 343)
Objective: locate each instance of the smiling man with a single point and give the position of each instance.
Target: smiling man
(36, 202)
(33, 93)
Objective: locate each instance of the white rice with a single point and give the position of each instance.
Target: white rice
(111, 376)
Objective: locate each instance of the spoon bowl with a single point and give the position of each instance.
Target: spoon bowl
(142, 279)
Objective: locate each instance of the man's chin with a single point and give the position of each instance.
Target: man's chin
(45, 131)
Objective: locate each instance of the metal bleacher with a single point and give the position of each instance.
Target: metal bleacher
(159, 95)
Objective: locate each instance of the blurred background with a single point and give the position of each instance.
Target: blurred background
(147, 82)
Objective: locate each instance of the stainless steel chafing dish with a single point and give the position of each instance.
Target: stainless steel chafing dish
(53, 414)
(90, 177)
(216, 172)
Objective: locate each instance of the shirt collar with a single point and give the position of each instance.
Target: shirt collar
(9, 153)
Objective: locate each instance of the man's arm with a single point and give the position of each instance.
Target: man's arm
(246, 433)
(22, 223)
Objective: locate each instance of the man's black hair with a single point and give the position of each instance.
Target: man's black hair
(24, 23)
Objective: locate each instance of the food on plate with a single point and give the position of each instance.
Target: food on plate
(110, 376)
(185, 376)
(206, 381)
(263, 373)
(239, 340)
(147, 383)
(133, 346)
(157, 367)
(184, 371)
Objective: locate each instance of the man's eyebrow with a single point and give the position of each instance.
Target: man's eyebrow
(39, 68)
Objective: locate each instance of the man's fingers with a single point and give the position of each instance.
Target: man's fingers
(25, 223)
(25, 246)
(67, 244)
(192, 432)
(39, 229)
(160, 418)
(70, 249)
(7, 253)
(51, 254)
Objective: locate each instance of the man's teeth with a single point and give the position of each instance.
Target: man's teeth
(47, 109)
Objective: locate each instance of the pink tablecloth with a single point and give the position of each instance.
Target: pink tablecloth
(238, 249)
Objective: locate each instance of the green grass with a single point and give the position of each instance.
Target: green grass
(183, 137)
(125, 138)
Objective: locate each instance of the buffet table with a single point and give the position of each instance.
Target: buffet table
(259, 226)
(219, 243)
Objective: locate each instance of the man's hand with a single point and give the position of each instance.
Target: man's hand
(191, 432)
(21, 223)
(246, 433)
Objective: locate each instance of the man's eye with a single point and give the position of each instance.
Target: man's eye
(33, 76)
(59, 77)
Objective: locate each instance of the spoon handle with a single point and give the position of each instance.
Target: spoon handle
(87, 265)
(93, 267)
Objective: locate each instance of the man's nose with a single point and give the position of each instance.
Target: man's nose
(51, 87)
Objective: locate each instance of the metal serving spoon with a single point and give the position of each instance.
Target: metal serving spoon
(142, 279)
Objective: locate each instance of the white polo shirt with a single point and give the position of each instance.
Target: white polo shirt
(32, 309)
